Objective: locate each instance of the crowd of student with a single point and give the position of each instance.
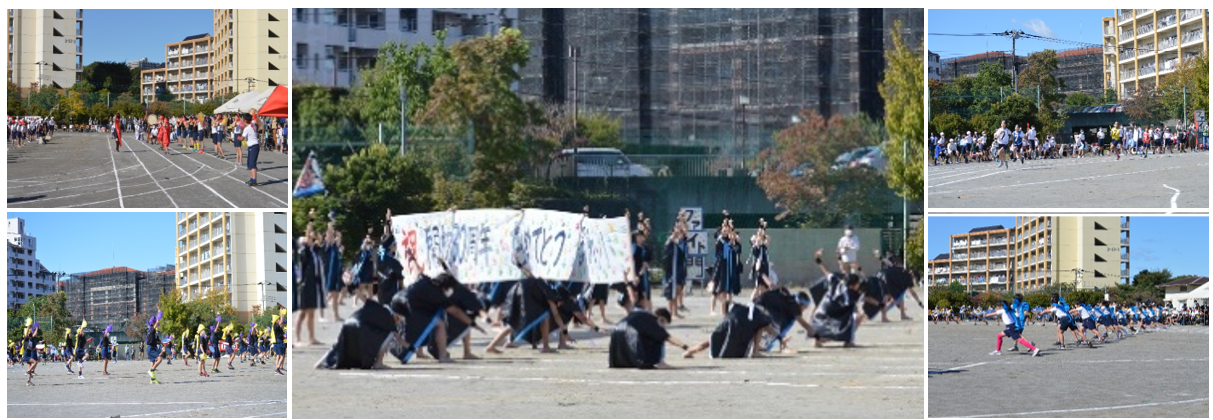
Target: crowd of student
(1022, 144)
(256, 344)
(407, 313)
(1084, 321)
(24, 130)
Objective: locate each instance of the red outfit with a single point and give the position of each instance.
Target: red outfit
(162, 134)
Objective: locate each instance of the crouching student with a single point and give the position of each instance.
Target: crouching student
(639, 341)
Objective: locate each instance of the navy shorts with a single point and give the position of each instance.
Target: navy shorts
(252, 155)
(153, 353)
(215, 353)
(1066, 323)
(280, 349)
(216, 138)
(105, 355)
(1088, 324)
(1010, 331)
(81, 354)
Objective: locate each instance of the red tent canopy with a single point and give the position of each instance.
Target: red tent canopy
(276, 105)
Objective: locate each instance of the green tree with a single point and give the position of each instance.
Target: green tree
(1145, 108)
(1149, 280)
(366, 185)
(44, 307)
(1040, 73)
(949, 124)
(798, 172)
(1079, 100)
(418, 66)
(479, 93)
(136, 326)
(1192, 77)
(1109, 96)
(901, 90)
(956, 288)
(601, 130)
(16, 107)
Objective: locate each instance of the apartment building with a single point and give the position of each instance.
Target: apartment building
(1142, 45)
(45, 47)
(331, 45)
(26, 276)
(247, 52)
(1086, 252)
(244, 254)
(980, 259)
(114, 295)
(186, 72)
(250, 50)
(933, 69)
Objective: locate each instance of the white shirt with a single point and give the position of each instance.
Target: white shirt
(250, 135)
(1006, 318)
(847, 245)
(1002, 136)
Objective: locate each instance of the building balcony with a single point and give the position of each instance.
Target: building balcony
(1124, 273)
(1124, 226)
(1192, 37)
(1124, 257)
(1190, 14)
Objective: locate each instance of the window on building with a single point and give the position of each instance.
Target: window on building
(271, 66)
(272, 50)
(272, 34)
(408, 20)
(279, 269)
(279, 229)
(301, 15)
(271, 17)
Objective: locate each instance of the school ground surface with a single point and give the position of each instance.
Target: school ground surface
(242, 392)
(883, 378)
(82, 170)
(1167, 181)
(1152, 374)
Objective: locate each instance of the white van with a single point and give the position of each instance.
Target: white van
(597, 162)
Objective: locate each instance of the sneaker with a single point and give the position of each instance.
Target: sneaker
(1015, 348)
(81, 376)
(279, 372)
(69, 369)
(1036, 352)
(995, 353)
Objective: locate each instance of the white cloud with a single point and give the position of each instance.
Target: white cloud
(1038, 27)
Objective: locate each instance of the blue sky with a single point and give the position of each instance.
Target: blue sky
(80, 242)
(1070, 25)
(1180, 244)
(128, 35)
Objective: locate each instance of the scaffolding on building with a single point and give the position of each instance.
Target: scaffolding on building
(723, 79)
(114, 295)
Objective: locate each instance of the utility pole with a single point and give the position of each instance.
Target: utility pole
(574, 54)
(1014, 66)
(404, 106)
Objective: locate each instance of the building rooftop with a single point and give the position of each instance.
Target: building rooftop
(979, 56)
(1080, 51)
(939, 257)
(1185, 281)
(193, 37)
(111, 270)
(987, 228)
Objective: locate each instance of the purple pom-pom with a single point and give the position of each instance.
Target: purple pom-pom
(35, 325)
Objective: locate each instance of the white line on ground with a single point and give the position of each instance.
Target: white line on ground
(610, 382)
(35, 178)
(109, 403)
(153, 177)
(11, 189)
(280, 413)
(1077, 410)
(107, 189)
(1172, 197)
(1057, 180)
(249, 404)
(208, 187)
(238, 180)
(961, 367)
(118, 180)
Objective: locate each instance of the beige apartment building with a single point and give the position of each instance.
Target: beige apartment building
(45, 47)
(1142, 45)
(186, 72)
(243, 253)
(1085, 252)
(250, 50)
(247, 52)
(979, 259)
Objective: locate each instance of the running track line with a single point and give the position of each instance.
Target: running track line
(960, 367)
(116, 179)
(149, 175)
(208, 187)
(1172, 197)
(612, 382)
(146, 193)
(48, 176)
(283, 413)
(1076, 410)
(99, 191)
(237, 180)
(250, 403)
(65, 181)
(106, 403)
(1053, 181)
(727, 372)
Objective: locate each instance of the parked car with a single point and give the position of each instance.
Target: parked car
(875, 159)
(597, 162)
